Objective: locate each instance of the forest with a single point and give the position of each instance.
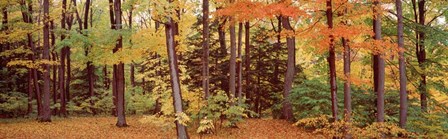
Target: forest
(224, 69)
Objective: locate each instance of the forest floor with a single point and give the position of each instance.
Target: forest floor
(104, 127)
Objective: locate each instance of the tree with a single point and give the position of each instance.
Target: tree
(46, 112)
(174, 73)
(232, 69)
(62, 62)
(119, 69)
(402, 66)
(290, 70)
(332, 62)
(421, 52)
(205, 45)
(380, 63)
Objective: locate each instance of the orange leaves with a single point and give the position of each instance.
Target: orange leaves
(247, 10)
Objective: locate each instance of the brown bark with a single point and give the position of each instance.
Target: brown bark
(232, 69)
(402, 66)
(239, 64)
(421, 55)
(247, 61)
(205, 48)
(381, 65)
(62, 62)
(114, 70)
(332, 63)
(46, 112)
(290, 71)
(119, 70)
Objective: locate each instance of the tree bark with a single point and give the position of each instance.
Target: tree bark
(114, 69)
(119, 70)
(381, 65)
(174, 73)
(247, 61)
(402, 66)
(422, 56)
(232, 69)
(46, 112)
(239, 64)
(332, 63)
(205, 48)
(290, 71)
(62, 62)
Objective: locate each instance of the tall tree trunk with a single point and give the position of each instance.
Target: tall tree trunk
(62, 62)
(247, 61)
(132, 76)
(90, 67)
(174, 73)
(46, 112)
(30, 91)
(422, 56)
(55, 67)
(332, 63)
(290, 71)
(347, 84)
(381, 65)
(205, 48)
(119, 70)
(223, 52)
(402, 66)
(239, 64)
(114, 70)
(232, 61)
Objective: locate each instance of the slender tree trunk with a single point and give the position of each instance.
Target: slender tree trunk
(381, 65)
(347, 84)
(332, 63)
(62, 62)
(422, 56)
(239, 64)
(114, 70)
(402, 66)
(174, 73)
(132, 76)
(30, 91)
(247, 61)
(119, 70)
(205, 48)
(290, 71)
(232, 61)
(46, 112)
(223, 51)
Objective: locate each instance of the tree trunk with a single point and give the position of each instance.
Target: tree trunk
(239, 64)
(114, 69)
(119, 70)
(46, 112)
(30, 91)
(347, 88)
(223, 51)
(62, 62)
(290, 71)
(175, 84)
(332, 63)
(232, 61)
(402, 66)
(132, 72)
(381, 65)
(247, 61)
(422, 56)
(205, 47)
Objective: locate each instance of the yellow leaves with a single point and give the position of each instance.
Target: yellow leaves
(182, 118)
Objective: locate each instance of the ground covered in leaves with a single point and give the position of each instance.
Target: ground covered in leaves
(104, 127)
